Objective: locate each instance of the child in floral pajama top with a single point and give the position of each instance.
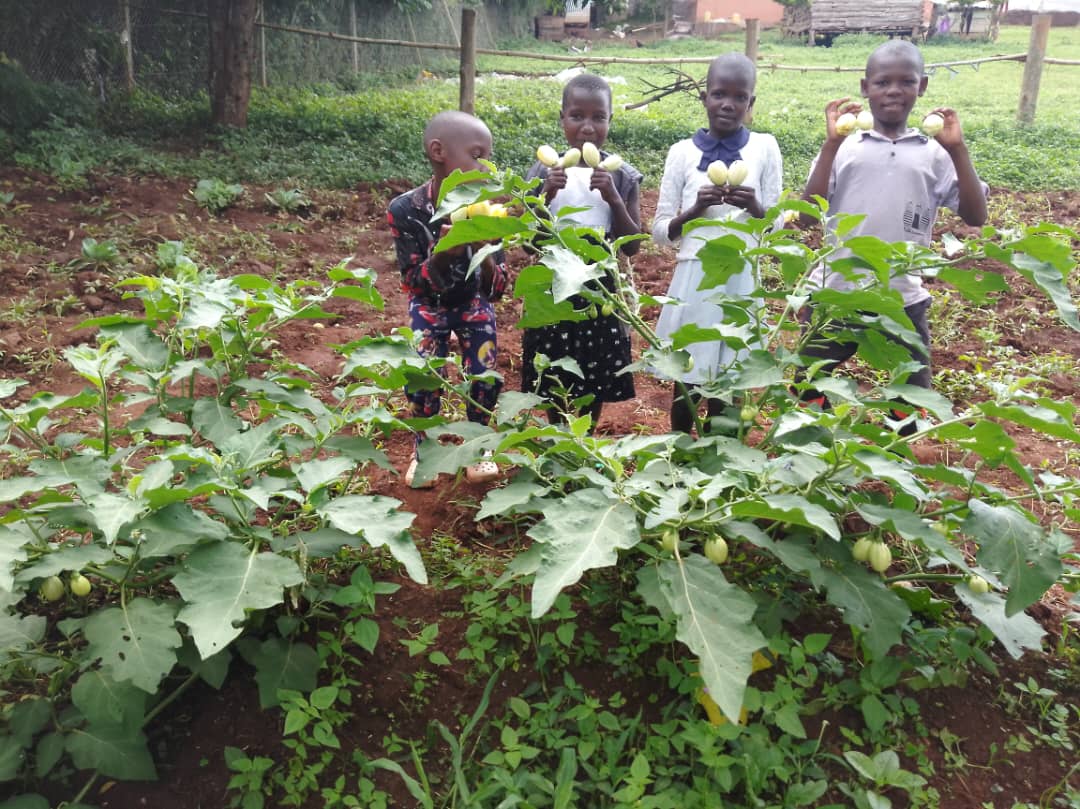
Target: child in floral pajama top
(443, 297)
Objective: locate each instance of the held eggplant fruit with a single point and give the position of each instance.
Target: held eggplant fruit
(547, 155)
(717, 172)
(590, 154)
(611, 163)
(932, 124)
(865, 120)
(737, 172)
(845, 124)
(570, 159)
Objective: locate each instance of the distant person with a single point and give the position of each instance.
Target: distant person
(897, 178)
(443, 297)
(944, 25)
(687, 193)
(600, 345)
(966, 17)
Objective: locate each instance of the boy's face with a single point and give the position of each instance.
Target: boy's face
(892, 85)
(462, 149)
(727, 99)
(585, 117)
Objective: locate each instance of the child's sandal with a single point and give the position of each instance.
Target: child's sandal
(410, 476)
(482, 471)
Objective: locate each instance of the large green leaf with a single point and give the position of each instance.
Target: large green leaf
(112, 751)
(105, 701)
(175, 528)
(377, 519)
(220, 582)
(1016, 632)
(714, 618)
(582, 531)
(866, 602)
(215, 420)
(1016, 549)
(112, 512)
(281, 664)
(319, 472)
(571, 272)
(18, 632)
(11, 553)
(791, 508)
(135, 641)
(142, 346)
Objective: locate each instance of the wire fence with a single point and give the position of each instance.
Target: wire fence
(84, 42)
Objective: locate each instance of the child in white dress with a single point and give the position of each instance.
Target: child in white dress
(687, 193)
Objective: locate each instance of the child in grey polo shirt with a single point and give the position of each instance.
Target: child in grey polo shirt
(898, 178)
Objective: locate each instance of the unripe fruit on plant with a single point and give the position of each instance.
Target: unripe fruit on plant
(688, 365)
(865, 120)
(790, 217)
(748, 413)
(570, 159)
(846, 124)
(737, 172)
(590, 154)
(592, 312)
(547, 155)
(717, 172)
(52, 589)
(669, 540)
(861, 549)
(80, 585)
(932, 124)
(607, 309)
(611, 163)
(880, 557)
(716, 550)
(977, 584)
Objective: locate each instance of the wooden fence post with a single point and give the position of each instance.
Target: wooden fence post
(467, 102)
(129, 55)
(753, 30)
(355, 45)
(1033, 67)
(262, 46)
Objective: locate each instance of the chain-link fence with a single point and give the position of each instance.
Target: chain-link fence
(84, 42)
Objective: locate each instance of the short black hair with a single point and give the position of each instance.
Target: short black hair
(590, 83)
(444, 125)
(896, 49)
(734, 64)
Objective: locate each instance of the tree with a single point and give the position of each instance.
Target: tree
(232, 52)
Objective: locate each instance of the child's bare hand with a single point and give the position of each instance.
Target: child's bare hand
(456, 251)
(709, 195)
(833, 110)
(554, 182)
(743, 196)
(603, 182)
(951, 134)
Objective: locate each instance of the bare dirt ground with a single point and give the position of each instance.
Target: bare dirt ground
(45, 294)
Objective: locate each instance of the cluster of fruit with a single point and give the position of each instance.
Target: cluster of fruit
(588, 152)
(483, 208)
(849, 122)
(720, 173)
(52, 589)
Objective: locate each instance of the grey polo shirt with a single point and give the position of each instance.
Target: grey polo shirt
(899, 186)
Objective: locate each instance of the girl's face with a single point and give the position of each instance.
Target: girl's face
(585, 116)
(727, 99)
